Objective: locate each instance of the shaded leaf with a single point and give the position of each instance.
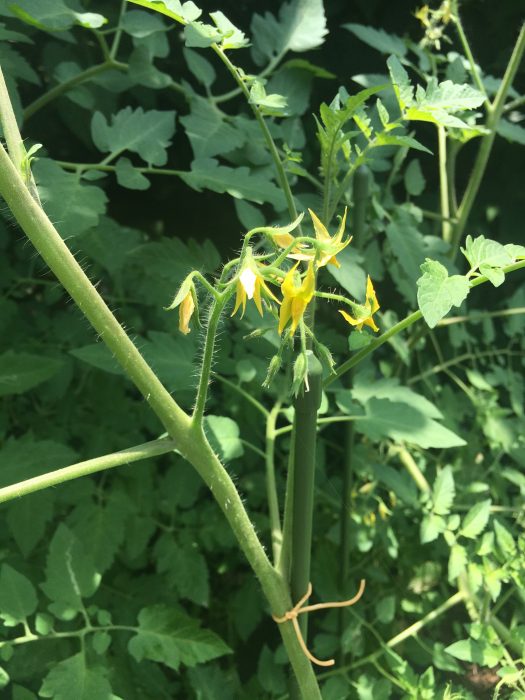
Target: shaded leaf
(73, 679)
(171, 638)
(223, 434)
(20, 371)
(378, 39)
(17, 596)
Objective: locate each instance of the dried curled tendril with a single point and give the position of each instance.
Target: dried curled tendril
(291, 616)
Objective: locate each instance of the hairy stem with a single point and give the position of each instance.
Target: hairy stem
(271, 486)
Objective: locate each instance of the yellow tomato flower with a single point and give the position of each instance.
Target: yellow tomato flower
(363, 313)
(186, 309)
(331, 245)
(295, 297)
(250, 284)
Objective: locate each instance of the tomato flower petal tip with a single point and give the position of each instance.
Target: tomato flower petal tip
(330, 245)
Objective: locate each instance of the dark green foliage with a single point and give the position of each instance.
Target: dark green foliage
(129, 584)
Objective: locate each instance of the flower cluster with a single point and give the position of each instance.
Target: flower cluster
(253, 274)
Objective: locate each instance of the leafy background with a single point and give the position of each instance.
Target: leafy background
(142, 553)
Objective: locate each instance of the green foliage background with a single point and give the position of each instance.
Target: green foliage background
(142, 553)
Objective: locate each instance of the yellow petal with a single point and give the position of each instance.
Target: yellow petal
(351, 321)
(284, 314)
(240, 299)
(371, 298)
(257, 295)
(321, 232)
(186, 309)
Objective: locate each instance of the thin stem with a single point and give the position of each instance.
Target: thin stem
(118, 34)
(446, 229)
(436, 369)
(494, 113)
(271, 485)
(281, 173)
(207, 359)
(410, 631)
(468, 53)
(401, 326)
(415, 472)
(67, 85)
(90, 466)
(248, 397)
(217, 99)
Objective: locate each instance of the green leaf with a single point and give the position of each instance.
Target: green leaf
(198, 35)
(201, 68)
(273, 104)
(231, 36)
(223, 434)
(109, 244)
(140, 24)
(505, 540)
(209, 131)
(438, 293)
(27, 518)
(482, 251)
(301, 26)
(98, 355)
(378, 39)
(403, 423)
(72, 679)
(457, 562)
(54, 15)
(101, 529)
(407, 244)
(72, 205)
(172, 358)
(174, 9)
(171, 638)
(185, 568)
(431, 527)
(401, 82)
(414, 179)
(367, 387)
(70, 574)
(400, 140)
(128, 176)
(511, 132)
(443, 491)
(206, 173)
(475, 521)
(20, 371)
(146, 133)
(17, 596)
(476, 651)
(210, 682)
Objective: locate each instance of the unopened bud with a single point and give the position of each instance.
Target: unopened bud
(300, 374)
(273, 368)
(324, 354)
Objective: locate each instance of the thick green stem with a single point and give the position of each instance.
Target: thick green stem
(13, 139)
(67, 85)
(446, 229)
(89, 466)
(360, 201)
(494, 113)
(305, 437)
(271, 486)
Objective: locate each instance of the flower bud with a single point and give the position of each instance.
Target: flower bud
(273, 368)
